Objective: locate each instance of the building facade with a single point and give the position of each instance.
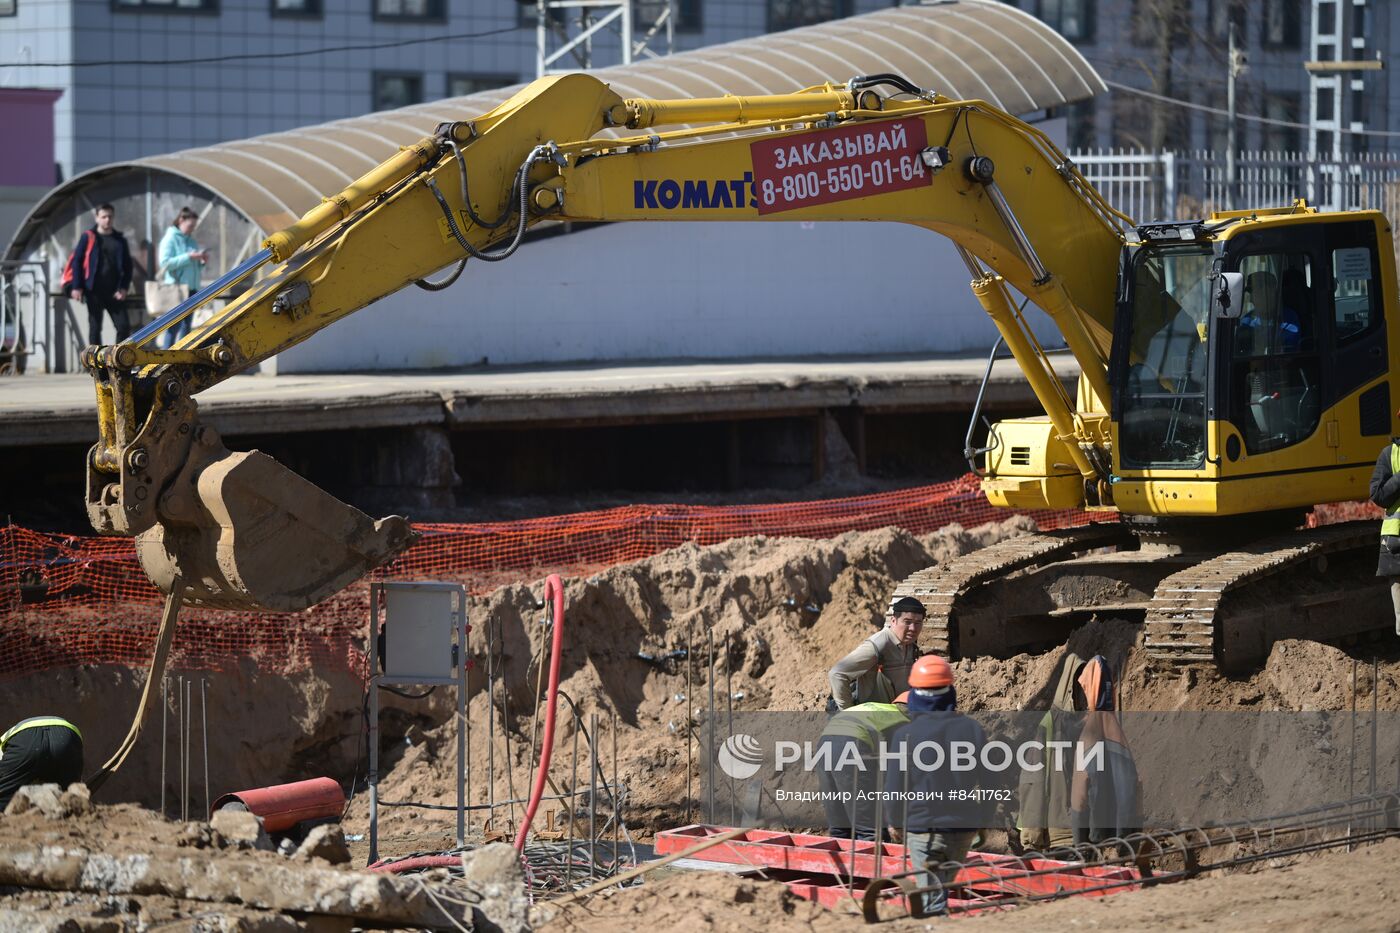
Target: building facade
(271, 65)
(1180, 49)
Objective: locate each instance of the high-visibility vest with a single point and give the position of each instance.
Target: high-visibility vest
(35, 722)
(865, 722)
(1391, 525)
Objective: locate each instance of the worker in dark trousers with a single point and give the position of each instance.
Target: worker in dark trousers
(1385, 492)
(39, 750)
(850, 749)
(942, 805)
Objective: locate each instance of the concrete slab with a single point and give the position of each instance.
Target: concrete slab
(59, 409)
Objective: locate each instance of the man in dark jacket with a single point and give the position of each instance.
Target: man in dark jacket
(943, 803)
(99, 273)
(1385, 492)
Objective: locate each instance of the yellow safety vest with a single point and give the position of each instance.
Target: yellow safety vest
(35, 722)
(1391, 525)
(865, 722)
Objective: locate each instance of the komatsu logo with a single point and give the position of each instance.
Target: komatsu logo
(669, 194)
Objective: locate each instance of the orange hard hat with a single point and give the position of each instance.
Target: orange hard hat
(931, 671)
(902, 698)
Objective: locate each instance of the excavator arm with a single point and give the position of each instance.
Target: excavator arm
(238, 530)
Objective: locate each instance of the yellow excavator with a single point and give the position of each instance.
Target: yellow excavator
(1235, 369)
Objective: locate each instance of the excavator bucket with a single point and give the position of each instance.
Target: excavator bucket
(251, 534)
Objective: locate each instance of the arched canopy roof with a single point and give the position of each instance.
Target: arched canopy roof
(968, 49)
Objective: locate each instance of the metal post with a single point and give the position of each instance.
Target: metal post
(461, 674)
(573, 800)
(204, 737)
(180, 725)
(1375, 716)
(593, 795)
(491, 702)
(616, 802)
(1230, 120)
(710, 791)
(1351, 766)
(373, 726)
(729, 707)
(689, 763)
(189, 746)
(879, 813)
(164, 736)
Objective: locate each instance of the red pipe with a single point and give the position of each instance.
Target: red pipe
(282, 806)
(553, 589)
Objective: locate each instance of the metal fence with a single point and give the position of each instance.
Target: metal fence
(1180, 185)
(38, 332)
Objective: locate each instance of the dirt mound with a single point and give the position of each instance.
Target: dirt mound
(775, 612)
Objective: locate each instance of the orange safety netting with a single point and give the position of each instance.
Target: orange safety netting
(67, 601)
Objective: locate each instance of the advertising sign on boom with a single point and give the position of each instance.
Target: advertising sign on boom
(838, 164)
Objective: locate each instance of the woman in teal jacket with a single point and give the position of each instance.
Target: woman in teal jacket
(181, 261)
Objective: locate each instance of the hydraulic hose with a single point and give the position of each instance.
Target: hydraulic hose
(553, 593)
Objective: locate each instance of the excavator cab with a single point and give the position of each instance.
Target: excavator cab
(1276, 397)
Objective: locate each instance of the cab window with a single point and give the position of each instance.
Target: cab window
(1353, 287)
(1275, 366)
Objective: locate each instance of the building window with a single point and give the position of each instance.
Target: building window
(1223, 14)
(183, 6)
(686, 13)
(1286, 107)
(461, 85)
(7, 7)
(789, 14)
(409, 9)
(1282, 24)
(397, 89)
(1073, 19)
(296, 8)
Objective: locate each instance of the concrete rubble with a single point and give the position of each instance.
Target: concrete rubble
(67, 865)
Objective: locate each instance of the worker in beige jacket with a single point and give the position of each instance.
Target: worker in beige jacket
(878, 670)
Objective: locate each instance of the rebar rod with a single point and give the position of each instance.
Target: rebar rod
(164, 737)
(689, 763)
(617, 803)
(593, 790)
(710, 790)
(204, 737)
(729, 707)
(573, 803)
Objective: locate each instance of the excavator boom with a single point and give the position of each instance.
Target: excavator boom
(238, 530)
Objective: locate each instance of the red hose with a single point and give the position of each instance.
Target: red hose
(553, 589)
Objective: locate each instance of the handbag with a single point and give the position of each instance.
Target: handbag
(163, 296)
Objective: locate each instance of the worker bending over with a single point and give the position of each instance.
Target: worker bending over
(878, 670)
(940, 806)
(850, 749)
(39, 750)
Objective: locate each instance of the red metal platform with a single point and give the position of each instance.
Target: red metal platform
(830, 870)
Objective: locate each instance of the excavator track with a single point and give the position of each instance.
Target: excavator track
(1184, 623)
(941, 588)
